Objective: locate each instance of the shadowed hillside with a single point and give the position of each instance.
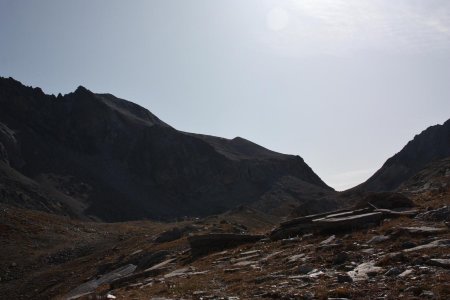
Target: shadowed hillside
(431, 145)
(97, 156)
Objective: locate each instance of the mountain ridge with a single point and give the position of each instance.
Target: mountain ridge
(115, 160)
(430, 145)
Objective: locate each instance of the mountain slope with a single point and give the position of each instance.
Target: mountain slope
(98, 156)
(430, 145)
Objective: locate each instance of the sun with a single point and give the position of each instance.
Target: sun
(277, 19)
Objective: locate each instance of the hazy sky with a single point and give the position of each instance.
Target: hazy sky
(342, 83)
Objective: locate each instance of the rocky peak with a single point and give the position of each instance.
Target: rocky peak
(133, 164)
(81, 90)
(430, 145)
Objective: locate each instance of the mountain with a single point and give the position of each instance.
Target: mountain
(431, 145)
(95, 156)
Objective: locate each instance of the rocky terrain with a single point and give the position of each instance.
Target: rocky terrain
(98, 157)
(403, 253)
(202, 217)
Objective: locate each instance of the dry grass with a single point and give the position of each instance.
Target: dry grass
(40, 233)
(341, 292)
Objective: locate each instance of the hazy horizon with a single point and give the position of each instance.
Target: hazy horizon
(343, 84)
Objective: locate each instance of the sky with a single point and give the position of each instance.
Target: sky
(345, 84)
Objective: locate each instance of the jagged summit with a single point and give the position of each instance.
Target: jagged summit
(81, 89)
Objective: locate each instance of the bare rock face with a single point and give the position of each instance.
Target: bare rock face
(364, 271)
(9, 147)
(98, 156)
(445, 263)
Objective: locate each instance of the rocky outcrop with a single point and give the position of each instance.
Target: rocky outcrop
(9, 147)
(107, 158)
(433, 178)
(335, 222)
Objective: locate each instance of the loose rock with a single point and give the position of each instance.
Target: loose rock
(440, 262)
(364, 271)
(406, 273)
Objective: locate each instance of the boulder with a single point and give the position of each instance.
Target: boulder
(406, 273)
(440, 262)
(364, 271)
(328, 240)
